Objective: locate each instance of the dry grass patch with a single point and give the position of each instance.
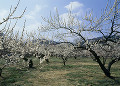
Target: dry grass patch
(50, 78)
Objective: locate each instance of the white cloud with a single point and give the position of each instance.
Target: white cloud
(33, 27)
(77, 11)
(33, 13)
(32, 18)
(55, 8)
(74, 5)
(66, 17)
(29, 16)
(3, 14)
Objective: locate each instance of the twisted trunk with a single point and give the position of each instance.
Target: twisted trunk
(112, 62)
(102, 66)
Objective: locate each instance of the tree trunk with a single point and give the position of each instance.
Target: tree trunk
(47, 60)
(75, 57)
(64, 60)
(30, 63)
(106, 71)
(112, 62)
(64, 63)
(0, 72)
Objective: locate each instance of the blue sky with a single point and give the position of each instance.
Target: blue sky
(38, 8)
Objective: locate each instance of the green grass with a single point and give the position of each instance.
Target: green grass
(11, 75)
(77, 72)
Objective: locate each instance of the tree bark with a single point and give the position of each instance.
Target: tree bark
(112, 62)
(47, 60)
(30, 63)
(75, 57)
(106, 71)
(0, 72)
(64, 61)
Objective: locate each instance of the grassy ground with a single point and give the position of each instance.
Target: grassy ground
(79, 72)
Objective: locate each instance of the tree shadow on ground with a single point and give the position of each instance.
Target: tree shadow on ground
(109, 81)
(117, 80)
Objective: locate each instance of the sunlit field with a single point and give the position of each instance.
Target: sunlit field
(77, 72)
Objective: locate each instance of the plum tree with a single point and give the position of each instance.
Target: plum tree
(107, 25)
(7, 41)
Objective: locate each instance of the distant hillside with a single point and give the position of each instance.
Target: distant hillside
(102, 38)
(113, 37)
(45, 41)
(51, 42)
